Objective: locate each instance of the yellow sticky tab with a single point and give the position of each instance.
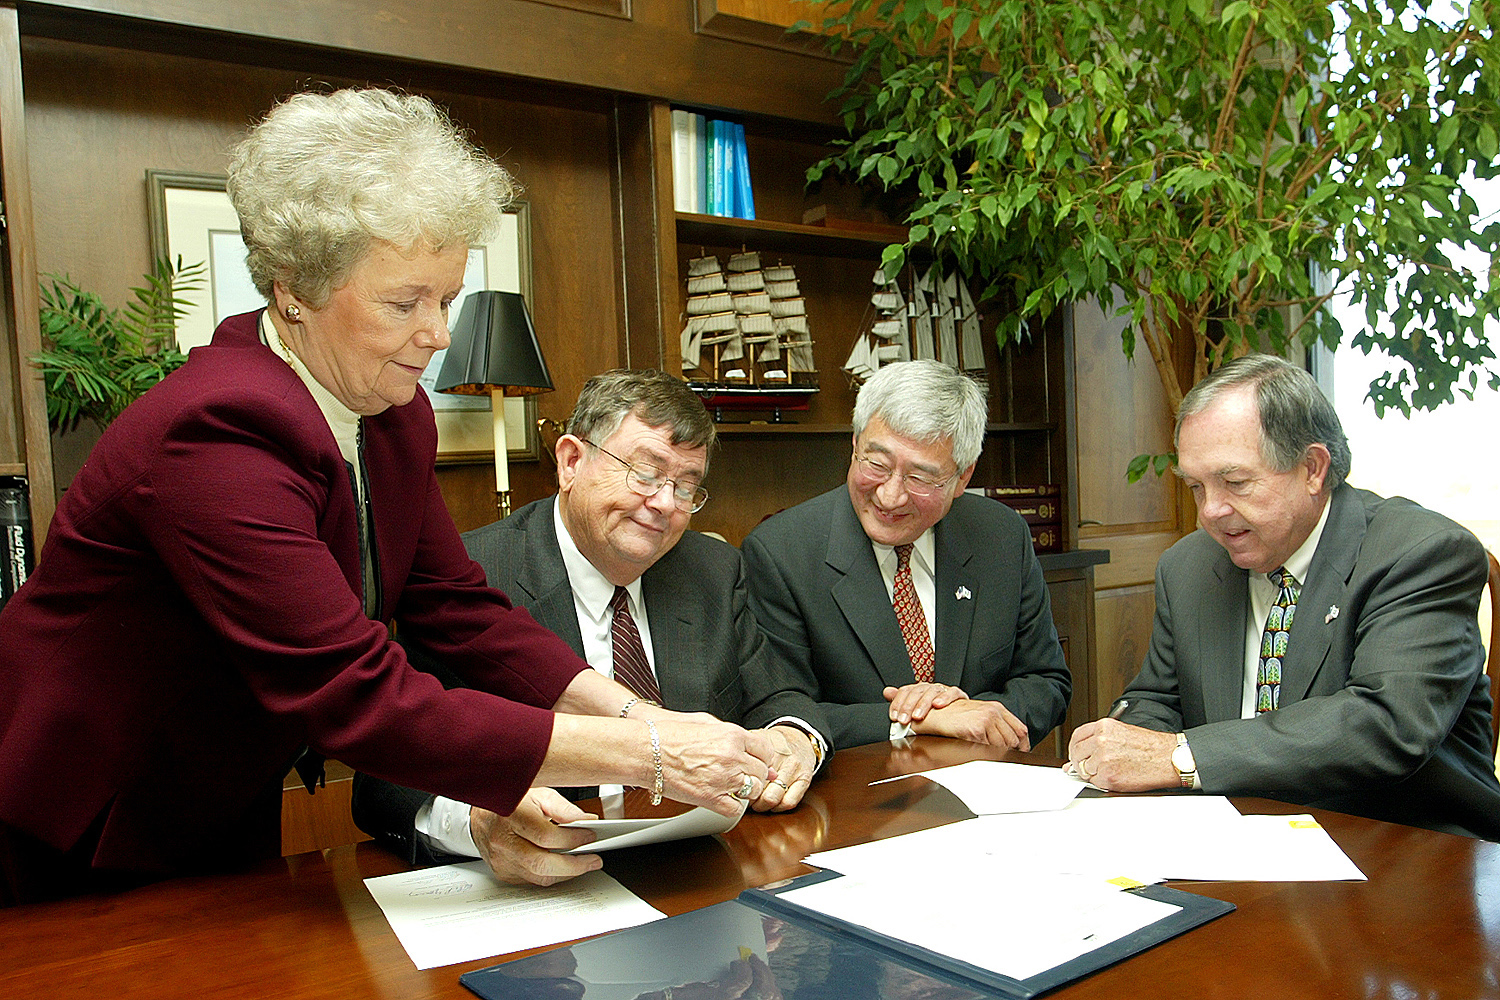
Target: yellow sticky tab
(745, 953)
(1303, 824)
(1125, 882)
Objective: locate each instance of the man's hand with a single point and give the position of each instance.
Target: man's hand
(977, 721)
(912, 702)
(795, 763)
(518, 848)
(1123, 758)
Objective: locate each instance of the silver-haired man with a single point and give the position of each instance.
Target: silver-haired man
(899, 603)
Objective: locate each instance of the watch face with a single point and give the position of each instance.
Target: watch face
(1182, 759)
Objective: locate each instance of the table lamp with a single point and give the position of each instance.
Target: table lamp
(494, 352)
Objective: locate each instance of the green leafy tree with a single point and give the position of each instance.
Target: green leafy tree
(98, 360)
(1218, 170)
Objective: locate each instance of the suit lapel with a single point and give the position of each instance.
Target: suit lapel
(861, 597)
(1325, 587)
(543, 581)
(675, 636)
(953, 616)
(1222, 613)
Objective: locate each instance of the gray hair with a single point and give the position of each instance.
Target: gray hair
(654, 397)
(927, 401)
(324, 177)
(1294, 413)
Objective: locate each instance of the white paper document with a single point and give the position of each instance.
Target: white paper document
(1066, 916)
(988, 787)
(457, 913)
(1145, 839)
(613, 833)
(1270, 849)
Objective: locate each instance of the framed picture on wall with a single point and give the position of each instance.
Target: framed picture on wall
(191, 217)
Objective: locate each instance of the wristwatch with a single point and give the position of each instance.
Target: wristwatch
(1182, 759)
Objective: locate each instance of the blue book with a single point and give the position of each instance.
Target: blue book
(700, 168)
(729, 169)
(744, 197)
(715, 181)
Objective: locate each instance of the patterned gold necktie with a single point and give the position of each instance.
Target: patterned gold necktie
(909, 614)
(1273, 641)
(631, 667)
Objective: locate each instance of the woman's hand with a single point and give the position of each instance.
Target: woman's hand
(707, 764)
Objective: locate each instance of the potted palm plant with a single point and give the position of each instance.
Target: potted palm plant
(97, 359)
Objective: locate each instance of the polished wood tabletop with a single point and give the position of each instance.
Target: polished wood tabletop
(1426, 924)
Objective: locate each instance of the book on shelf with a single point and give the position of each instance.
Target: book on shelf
(744, 198)
(1046, 537)
(868, 223)
(1018, 490)
(710, 166)
(1040, 506)
(684, 161)
(728, 182)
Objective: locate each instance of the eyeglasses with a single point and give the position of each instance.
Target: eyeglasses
(647, 481)
(878, 473)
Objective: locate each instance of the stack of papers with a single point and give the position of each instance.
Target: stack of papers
(1063, 860)
(1142, 838)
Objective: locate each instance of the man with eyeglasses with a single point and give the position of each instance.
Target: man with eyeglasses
(609, 565)
(901, 604)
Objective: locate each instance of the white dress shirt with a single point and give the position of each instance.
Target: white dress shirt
(446, 821)
(1262, 595)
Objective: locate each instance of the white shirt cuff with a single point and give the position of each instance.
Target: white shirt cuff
(445, 823)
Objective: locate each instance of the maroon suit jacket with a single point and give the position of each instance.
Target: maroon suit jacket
(195, 618)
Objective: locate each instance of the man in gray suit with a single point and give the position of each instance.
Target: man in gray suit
(614, 540)
(1313, 642)
(900, 603)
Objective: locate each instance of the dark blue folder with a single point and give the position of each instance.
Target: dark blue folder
(749, 945)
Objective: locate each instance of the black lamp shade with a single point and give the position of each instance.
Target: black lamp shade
(494, 347)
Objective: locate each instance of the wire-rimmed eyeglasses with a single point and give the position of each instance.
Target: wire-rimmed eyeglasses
(878, 473)
(647, 480)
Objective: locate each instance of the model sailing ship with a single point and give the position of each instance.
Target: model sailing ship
(937, 320)
(745, 343)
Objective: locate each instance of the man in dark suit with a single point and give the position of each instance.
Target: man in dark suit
(1313, 642)
(629, 473)
(900, 603)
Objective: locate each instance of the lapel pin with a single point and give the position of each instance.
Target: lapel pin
(1333, 612)
(962, 594)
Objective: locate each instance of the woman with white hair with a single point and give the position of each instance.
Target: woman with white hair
(218, 586)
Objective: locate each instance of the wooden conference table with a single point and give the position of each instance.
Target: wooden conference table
(1426, 924)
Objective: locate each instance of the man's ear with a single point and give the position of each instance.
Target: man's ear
(964, 477)
(1317, 461)
(569, 451)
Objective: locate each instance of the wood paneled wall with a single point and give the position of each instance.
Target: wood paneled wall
(1122, 412)
(647, 47)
